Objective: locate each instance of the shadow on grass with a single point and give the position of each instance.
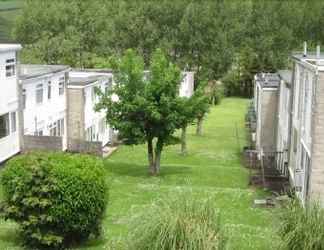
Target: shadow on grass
(140, 170)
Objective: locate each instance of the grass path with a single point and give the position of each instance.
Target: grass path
(212, 168)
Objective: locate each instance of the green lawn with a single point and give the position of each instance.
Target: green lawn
(212, 168)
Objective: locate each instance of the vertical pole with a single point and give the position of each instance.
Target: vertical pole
(262, 169)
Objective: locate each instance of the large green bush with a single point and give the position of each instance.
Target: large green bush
(178, 222)
(57, 198)
(302, 228)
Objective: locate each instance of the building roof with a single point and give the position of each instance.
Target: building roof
(83, 81)
(309, 56)
(4, 47)
(85, 77)
(28, 71)
(311, 59)
(285, 75)
(267, 80)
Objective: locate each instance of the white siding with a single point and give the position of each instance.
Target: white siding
(96, 128)
(9, 145)
(187, 85)
(39, 118)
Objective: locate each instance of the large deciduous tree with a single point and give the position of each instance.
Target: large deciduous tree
(148, 108)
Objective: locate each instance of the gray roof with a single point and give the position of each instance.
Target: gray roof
(268, 80)
(285, 75)
(28, 71)
(10, 47)
(309, 55)
(105, 70)
(84, 81)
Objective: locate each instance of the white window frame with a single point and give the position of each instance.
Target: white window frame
(61, 85)
(13, 122)
(6, 129)
(10, 67)
(24, 98)
(49, 90)
(39, 93)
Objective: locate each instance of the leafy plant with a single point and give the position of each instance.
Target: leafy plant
(56, 198)
(177, 222)
(302, 228)
(149, 109)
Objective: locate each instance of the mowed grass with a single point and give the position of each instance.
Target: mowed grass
(212, 169)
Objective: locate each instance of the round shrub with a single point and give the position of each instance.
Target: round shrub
(57, 198)
(178, 222)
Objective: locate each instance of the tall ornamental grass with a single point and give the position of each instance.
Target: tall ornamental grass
(178, 222)
(302, 228)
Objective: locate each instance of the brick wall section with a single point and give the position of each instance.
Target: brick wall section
(317, 162)
(269, 112)
(53, 143)
(85, 147)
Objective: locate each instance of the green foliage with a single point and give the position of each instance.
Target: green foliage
(302, 228)
(213, 39)
(180, 221)
(56, 198)
(149, 107)
(201, 100)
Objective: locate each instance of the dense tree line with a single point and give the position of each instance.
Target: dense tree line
(218, 39)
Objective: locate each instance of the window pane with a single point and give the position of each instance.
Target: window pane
(61, 85)
(39, 93)
(13, 122)
(24, 98)
(4, 125)
(10, 70)
(49, 90)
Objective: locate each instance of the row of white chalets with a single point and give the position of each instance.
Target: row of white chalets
(289, 133)
(53, 101)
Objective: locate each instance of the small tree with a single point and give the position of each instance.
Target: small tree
(148, 108)
(200, 104)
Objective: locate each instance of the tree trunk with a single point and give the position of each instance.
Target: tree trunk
(184, 140)
(158, 151)
(150, 154)
(199, 125)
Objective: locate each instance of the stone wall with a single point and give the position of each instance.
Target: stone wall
(317, 162)
(75, 114)
(269, 117)
(33, 142)
(85, 147)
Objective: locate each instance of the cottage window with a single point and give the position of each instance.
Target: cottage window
(39, 132)
(90, 134)
(4, 125)
(13, 122)
(61, 85)
(53, 129)
(24, 98)
(10, 67)
(39, 93)
(49, 90)
(60, 127)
